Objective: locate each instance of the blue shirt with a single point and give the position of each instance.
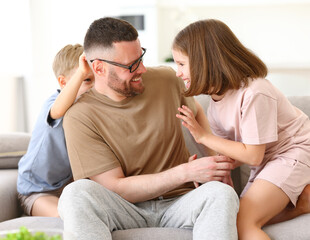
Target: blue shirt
(46, 165)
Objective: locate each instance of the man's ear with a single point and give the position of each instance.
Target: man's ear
(61, 81)
(99, 67)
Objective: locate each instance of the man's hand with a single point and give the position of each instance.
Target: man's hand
(205, 169)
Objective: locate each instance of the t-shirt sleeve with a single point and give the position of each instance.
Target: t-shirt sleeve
(53, 123)
(89, 154)
(259, 119)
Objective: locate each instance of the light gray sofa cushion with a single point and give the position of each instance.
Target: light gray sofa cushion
(12, 147)
(56, 224)
(296, 229)
(153, 234)
(8, 195)
(301, 102)
(32, 223)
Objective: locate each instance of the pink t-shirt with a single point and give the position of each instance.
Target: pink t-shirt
(261, 114)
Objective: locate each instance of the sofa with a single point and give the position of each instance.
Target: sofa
(14, 145)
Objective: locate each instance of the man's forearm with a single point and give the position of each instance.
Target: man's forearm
(143, 187)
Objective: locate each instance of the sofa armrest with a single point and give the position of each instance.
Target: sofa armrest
(12, 147)
(9, 206)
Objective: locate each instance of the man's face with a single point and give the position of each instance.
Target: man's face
(127, 86)
(120, 82)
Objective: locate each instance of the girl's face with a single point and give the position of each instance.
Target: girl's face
(182, 62)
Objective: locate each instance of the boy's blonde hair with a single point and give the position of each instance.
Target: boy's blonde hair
(67, 59)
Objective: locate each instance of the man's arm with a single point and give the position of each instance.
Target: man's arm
(145, 187)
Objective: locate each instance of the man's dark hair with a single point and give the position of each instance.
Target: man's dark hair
(104, 32)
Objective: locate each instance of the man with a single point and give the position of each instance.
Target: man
(126, 145)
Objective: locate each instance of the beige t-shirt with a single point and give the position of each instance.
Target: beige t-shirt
(141, 134)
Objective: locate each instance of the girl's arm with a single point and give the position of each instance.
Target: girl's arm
(249, 154)
(69, 93)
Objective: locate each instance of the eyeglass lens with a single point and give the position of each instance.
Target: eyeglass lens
(136, 65)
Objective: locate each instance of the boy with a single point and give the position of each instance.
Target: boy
(45, 170)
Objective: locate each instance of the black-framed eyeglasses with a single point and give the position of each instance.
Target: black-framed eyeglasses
(133, 67)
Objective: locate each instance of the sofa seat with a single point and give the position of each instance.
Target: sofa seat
(52, 223)
(295, 229)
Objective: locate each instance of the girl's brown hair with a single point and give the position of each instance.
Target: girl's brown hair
(218, 60)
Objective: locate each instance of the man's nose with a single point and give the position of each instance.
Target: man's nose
(141, 68)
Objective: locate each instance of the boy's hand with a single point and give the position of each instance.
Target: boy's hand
(189, 121)
(84, 67)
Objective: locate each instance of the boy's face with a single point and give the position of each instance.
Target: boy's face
(87, 84)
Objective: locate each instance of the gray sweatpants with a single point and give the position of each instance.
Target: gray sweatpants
(92, 212)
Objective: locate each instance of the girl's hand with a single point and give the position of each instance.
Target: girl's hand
(227, 179)
(191, 124)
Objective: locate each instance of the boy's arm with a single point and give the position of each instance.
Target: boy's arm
(69, 93)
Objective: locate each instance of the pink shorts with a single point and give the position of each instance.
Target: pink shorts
(291, 175)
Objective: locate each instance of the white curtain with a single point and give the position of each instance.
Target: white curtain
(13, 105)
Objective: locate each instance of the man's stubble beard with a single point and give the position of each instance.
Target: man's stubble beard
(124, 87)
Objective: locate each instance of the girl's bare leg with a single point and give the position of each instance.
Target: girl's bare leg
(290, 212)
(261, 203)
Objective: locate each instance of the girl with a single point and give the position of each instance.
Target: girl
(252, 122)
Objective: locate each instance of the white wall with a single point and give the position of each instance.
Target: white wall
(277, 31)
(56, 23)
(34, 31)
(15, 62)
